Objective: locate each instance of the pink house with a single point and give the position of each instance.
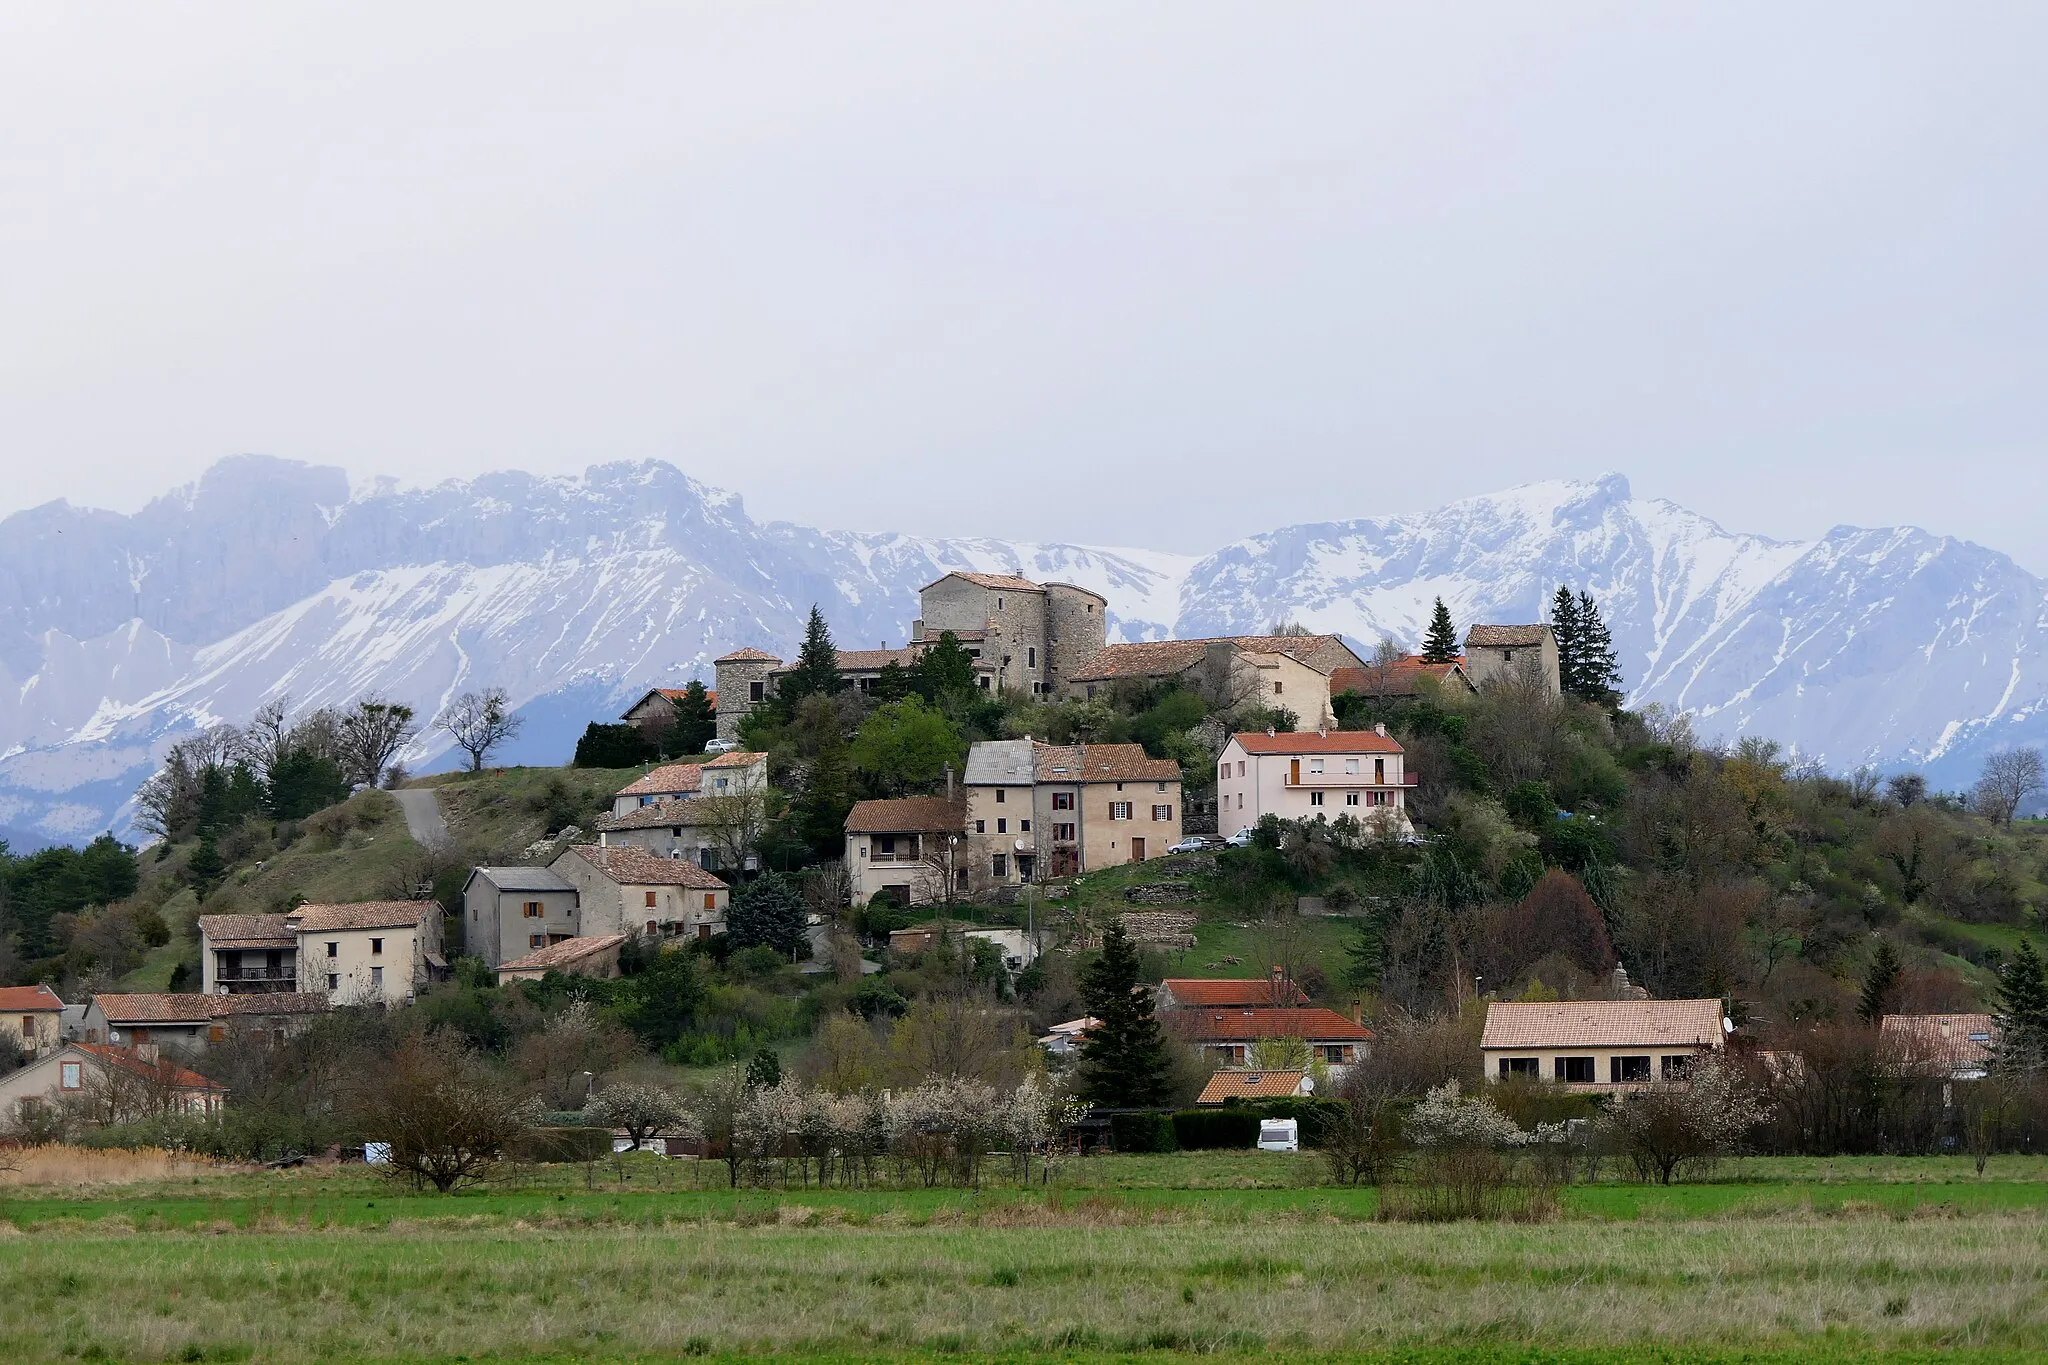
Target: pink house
(1360, 773)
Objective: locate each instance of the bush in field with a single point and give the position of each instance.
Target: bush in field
(1464, 1161)
(447, 1120)
(642, 1110)
(1686, 1123)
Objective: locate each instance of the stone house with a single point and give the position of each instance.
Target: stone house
(1298, 776)
(187, 1023)
(655, 712)
(247, 955)
(1404, 680)
(31, 1017)
(626, 890)
(368, 952)
(910, 847)
(597, 958)
(1290, 672)
(1496, 653)
(1037, 811)
(1600, 1044)
(508, 912)
(723, 775)
(108, 1084)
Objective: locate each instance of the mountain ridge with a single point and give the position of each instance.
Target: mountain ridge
(267, 577)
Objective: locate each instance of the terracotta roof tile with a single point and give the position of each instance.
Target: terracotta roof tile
(156, 1007)
(748, 655)
(1602, 1023)
(1101, 763)
(1309, 742)
(327, 919)
(1312, 1024)
(561, 954)
(905, 815)
(674, 814)
(128, 1059)
(274, 1002)
(861, 660)
(1158, 658)
(631, 866)
(1251, 1085)
(1950, 1040)
(1496, 636)
(1004, 582)
(21, 999)
(1254, 991)
(1404, 679)
(245, 931)
(737, 758)
(669, 778)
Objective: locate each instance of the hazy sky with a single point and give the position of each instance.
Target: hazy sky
(1155, 274)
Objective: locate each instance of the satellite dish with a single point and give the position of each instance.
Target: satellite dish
(1308, 1085)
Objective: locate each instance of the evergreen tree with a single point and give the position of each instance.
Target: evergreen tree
(767, 911)
(945, 670)
(1366, 954)
(1599, 665)
(696, 724)
(302, 782)
(1440, 646)
(1879, 981)
(765, 1071)
(617, 745)
(205, 867)
(2023, 1013)
(661, 998)
(1123, 1060)
(1566, 626)
(816, 671)
(895, 683)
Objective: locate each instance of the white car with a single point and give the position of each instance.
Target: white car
(1196, 843)
(1280, 1135)
(1241, 839)
(721, 746)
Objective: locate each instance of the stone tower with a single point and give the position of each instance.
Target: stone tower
(1076, 628)
(743, 684)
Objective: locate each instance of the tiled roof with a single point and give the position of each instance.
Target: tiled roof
(1257, 991)
(1313, 1024)
(1157, 658)
(1102, 763)
(1003, 582)
(1506, 635)
(631, 866)
(668, 778)
(1251, 1085)
(906, 815)
(737, 758)
(1403, 679)
(326, 919)
(1947, 1039)
(748, 655)
(156, 1008)
(861, 660)
(276, 1002)
(525, 879)
(245, 931)
(1602, 1023)
(562, 954)
(661, 813)
(20, 999)
(1310, 742)
(128, 1059)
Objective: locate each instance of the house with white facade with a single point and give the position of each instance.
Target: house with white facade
(626, 890)
(1328, 773)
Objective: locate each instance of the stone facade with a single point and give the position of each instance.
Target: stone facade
(1497, 653)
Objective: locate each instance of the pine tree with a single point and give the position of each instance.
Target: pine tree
(767, 911)
(819, 812)
(1566, 626)
(1123, 1061)
(1599, 666)
(816, 671)
(696, 723)
(945, 670)
(1440, 646)
(2023, 1016)
(1879, 981)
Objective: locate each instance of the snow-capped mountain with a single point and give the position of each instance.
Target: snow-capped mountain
(119, 633)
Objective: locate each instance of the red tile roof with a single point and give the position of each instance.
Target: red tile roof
(28, 999)
(246, 931)
(1497, 636)
(1157, 658)
(1101, 763)
(668, 779)
(1310, 742)
(1403, 679)
(271, 1002)
(1948, 1040)
(1256, 991)
(861, 660)
(1602, 1023)
(128, 1059)
(631, 866)
(748, 655)
(1251, 1085)
(156, 1007)
(1004, 582)
(327, 919)
(562, 954)
(907, 815)
(674, 814)
(1313, 1024)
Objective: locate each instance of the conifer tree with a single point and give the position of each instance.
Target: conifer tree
(1123, 1060)
(1879, 982)
(1565, 625)
(696, 725)
(819, 812)
(1440, 646)
(945, 670)
(816, 671)
(2023, 1016)
(1599, 666)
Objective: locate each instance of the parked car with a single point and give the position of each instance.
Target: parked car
(1241, 839)
(1280, 1135)
(1197, 843)
(721, 746)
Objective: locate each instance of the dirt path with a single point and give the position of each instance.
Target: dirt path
(423, 819)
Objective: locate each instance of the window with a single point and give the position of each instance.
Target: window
(999, 867)
(334, 950)
(1315, 798)
(536, 940)
(376, 946)
(1336, 1055)
(1350, 798)
(1315, 765)
(981, 826)
(1119, 786)
(1507, 656)
(70, 1079)
(1240, 767)
(1575, 1070)
(1159, 786)
(755, 690)
(1240, 800)
(333, 982)
(1119, 810)
(1001, 794)
(216, 1034)
(1031, 656)
(999, 604)
(1379, 771)
(650, 900)
(984, 682)
(1675, 1068)
(1162, 812)
(710, 900)
(1277, 687)
(1623, 1069)
(1062, 800)
(376, 976)
(1063, 834)
(1023, 826)
(1002, 825)
(1520, 1066)
(653, 928)
(28, 1028)
(1350, 765)
(719, 782)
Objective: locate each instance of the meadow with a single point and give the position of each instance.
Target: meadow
(1215, 1254)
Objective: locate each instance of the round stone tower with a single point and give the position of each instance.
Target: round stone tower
(743, 684)
(1076, 628)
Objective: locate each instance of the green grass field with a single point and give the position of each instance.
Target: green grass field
(1218, 1254)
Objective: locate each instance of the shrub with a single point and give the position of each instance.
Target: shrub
(565, 1143)
(1206, 1129)
(1148, 1131)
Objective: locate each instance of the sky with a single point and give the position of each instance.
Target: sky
(1138, 274)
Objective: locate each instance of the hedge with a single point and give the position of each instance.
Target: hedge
(565, 1144)
(1146, 1132)
(1314, 1115)
(1203, 1129)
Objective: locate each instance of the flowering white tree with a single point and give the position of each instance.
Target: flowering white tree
(1688, 1122)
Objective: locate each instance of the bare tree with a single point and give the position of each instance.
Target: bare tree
(446, 1121)
(734, 823)
(575, 1050)
(371, 734)
(479, 722)
(2009, 780)
(168, 802)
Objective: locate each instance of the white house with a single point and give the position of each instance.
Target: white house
(1360, 773)
(720, 776)
(368, 952)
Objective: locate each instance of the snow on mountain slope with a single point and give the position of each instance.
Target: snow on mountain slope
(269, 578)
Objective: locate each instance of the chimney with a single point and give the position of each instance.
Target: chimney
(949, 782)
(1380, 728)
(1357, 1012)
